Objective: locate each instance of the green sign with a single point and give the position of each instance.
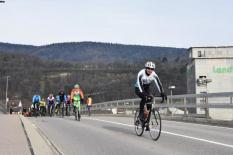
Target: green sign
(223, 69)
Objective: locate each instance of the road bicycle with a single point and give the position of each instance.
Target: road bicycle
(35, 110)
(89, 110)
(42, 110)
(151, 119)
(76, 105)
(57, 110)
(51, 109)
(68, 107)
(63, 108)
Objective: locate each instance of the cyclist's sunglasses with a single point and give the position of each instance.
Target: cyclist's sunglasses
(150, 68)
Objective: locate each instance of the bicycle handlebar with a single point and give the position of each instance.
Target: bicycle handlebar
(149, 98)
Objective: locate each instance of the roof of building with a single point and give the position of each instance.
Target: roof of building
(211, 47)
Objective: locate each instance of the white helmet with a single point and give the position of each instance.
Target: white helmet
(150, 64)
(76, 86)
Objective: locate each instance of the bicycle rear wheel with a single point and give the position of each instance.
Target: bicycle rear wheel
(139, 128)
(75, 113)
(155, 124)
(63, 109)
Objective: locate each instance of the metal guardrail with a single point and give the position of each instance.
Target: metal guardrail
(188, 103)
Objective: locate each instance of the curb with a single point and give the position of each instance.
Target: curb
(50, 142)
(38, 142)
(28, 140)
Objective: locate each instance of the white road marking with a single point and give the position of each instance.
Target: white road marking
(221, 127)
(170, 133)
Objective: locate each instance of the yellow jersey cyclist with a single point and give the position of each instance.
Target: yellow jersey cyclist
(42, 107)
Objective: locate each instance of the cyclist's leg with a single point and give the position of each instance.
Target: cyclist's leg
(66, 109)
(149, 106)
(59, 108)
(44, 110)
(89, 110)
(53, 109)
(33, 109)
(74, 108)
(62, 108)
(40, 110)
(69, 107)
(36, 108)
(79, 108)
(49, 109)
(142, 102)
(75, 111)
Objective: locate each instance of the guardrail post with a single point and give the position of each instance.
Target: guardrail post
(185, 107)
(133, 107)
(169, 103)
(230, 99)
(207, 107)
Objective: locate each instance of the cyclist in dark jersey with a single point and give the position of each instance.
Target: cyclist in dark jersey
(68, 105)
(142, 87)
(62, 99)
(62, 96)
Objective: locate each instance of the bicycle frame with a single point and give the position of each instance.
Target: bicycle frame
(155, 124)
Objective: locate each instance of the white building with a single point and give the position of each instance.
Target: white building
(214, 65)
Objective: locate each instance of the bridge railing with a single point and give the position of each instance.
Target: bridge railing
(208, 105)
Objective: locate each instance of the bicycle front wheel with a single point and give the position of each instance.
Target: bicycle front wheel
(155, 124)
(139, 128)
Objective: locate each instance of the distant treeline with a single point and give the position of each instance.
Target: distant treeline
(105, 70)
(104, 80)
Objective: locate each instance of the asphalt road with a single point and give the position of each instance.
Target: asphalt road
(115, 135)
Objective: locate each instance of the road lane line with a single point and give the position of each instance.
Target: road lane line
(199, 139)
(166, 132)
(206, 125)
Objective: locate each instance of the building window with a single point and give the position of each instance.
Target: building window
(201, 53)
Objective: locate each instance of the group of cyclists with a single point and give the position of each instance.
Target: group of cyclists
(61, 104)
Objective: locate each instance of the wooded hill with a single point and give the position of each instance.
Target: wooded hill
(96, 52)
(107, 80)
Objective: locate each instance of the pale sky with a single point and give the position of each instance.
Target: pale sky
(170, 23)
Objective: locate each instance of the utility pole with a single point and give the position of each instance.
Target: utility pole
(171, 88)
(7, 77)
